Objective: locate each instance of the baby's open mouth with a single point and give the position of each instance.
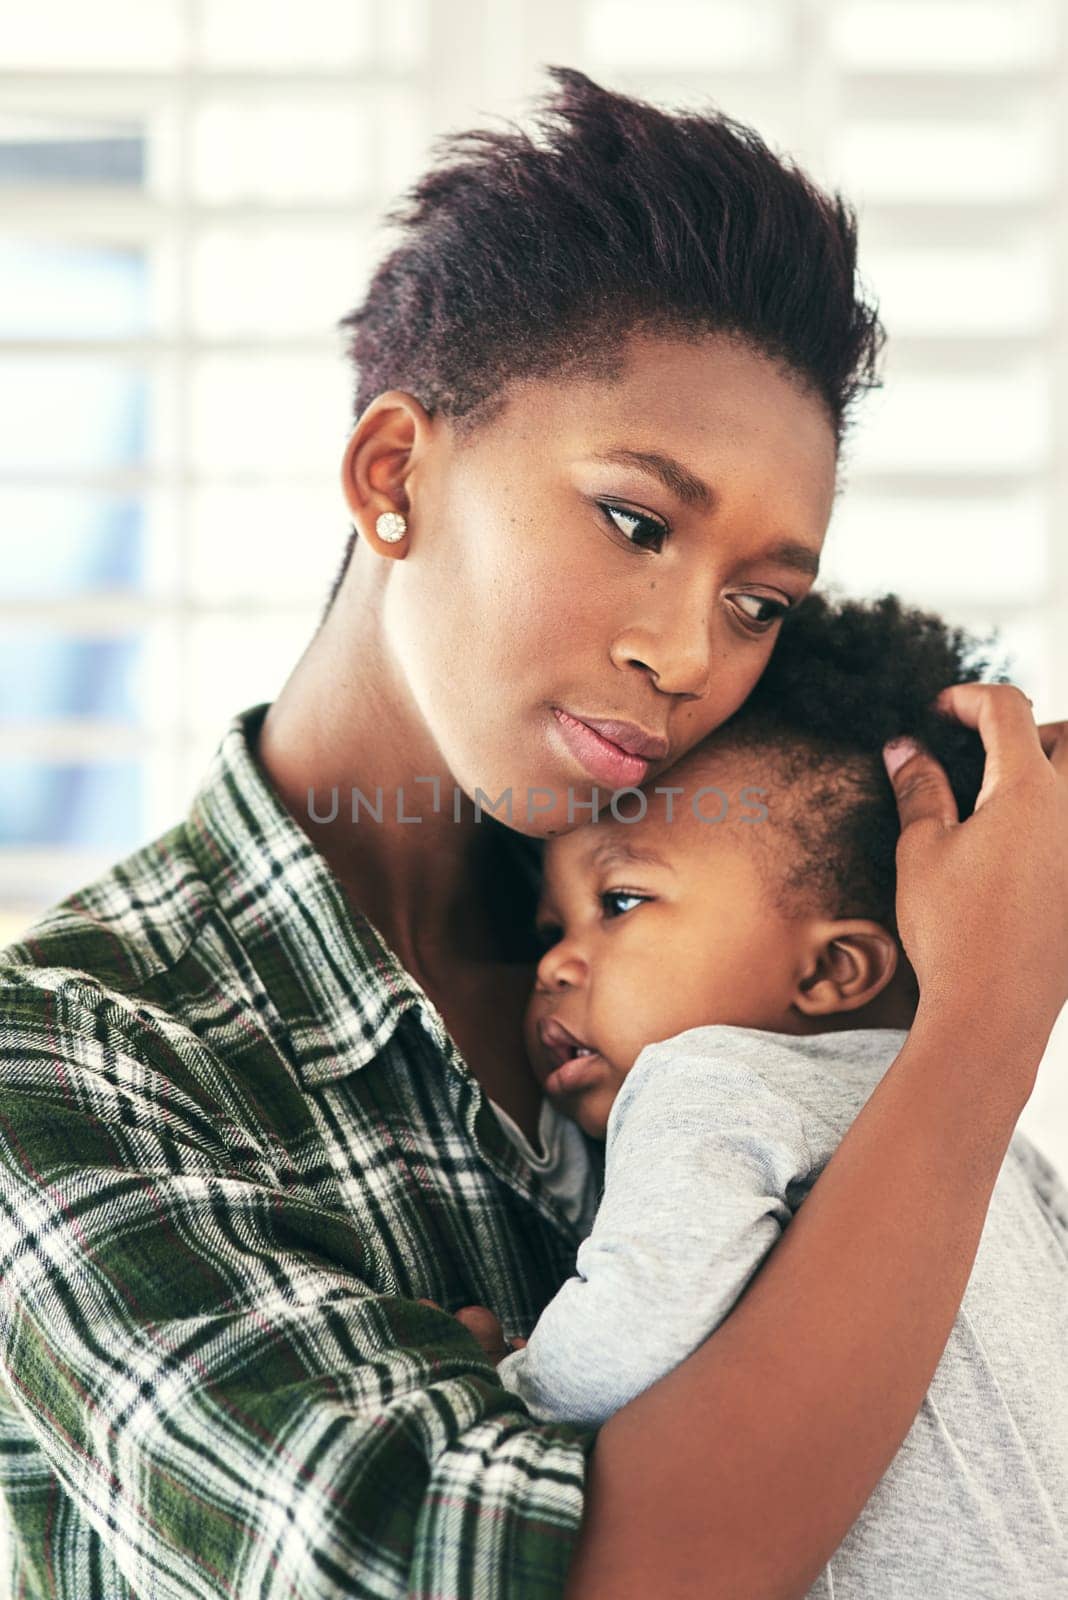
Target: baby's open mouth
(559, 1043)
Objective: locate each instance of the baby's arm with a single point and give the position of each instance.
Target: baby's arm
(698, 1159)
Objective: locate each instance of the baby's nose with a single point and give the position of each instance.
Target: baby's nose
(562, 967)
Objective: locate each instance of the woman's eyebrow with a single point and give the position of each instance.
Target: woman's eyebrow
(791, 554)
(676, 479)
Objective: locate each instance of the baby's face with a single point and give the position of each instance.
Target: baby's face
(652, 927)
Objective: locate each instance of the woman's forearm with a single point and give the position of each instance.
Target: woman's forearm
(740, 1472)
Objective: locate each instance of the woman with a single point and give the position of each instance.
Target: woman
(512, 605)
(603, 381)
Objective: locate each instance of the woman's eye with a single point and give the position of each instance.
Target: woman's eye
(635, 528)
(612, 897)
(765, 612)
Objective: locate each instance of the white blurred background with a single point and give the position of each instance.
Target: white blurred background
(189, 199)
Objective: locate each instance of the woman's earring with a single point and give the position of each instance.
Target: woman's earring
(391, 526)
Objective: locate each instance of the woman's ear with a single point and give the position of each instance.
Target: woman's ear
(378, 461)
(846, 965)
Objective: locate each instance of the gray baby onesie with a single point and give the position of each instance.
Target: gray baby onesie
(712, 1143)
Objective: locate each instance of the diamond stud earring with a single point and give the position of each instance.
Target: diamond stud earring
(391, 526)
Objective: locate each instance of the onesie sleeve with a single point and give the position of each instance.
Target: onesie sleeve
(699, 1157)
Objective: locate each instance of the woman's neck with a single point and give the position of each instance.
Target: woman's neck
(343, 722)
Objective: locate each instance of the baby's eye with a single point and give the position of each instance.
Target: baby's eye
(612, 897)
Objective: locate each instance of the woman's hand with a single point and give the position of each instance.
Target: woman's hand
(982, 905)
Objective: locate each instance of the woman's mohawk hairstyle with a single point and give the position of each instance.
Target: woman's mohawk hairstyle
(527, 252)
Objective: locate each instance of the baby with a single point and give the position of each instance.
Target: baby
(717, 1000)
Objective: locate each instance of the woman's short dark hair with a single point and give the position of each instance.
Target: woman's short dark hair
(527, 254)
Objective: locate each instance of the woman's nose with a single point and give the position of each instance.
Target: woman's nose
(675, 647)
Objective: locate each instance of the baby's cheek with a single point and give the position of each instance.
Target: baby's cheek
(592, 1111)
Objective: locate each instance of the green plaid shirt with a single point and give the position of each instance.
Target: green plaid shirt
(236, 1145)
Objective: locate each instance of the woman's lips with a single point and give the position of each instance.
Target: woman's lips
(603, 760)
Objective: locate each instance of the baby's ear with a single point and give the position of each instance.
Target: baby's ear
(847, 964)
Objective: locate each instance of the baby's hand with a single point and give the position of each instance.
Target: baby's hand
(488, 1331)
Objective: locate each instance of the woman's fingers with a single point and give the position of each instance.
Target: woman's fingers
(921, 787)
(1053, 737)
(1003, 717)
(985, 705)
(982, 905)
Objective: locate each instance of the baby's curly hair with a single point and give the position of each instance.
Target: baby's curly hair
(530, 254)
(846, 676)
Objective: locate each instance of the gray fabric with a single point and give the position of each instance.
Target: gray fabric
(563, 1163)
(713, 1141)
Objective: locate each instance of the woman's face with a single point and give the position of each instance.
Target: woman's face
(549, 579)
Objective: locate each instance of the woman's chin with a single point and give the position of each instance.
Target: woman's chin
(573, 807)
